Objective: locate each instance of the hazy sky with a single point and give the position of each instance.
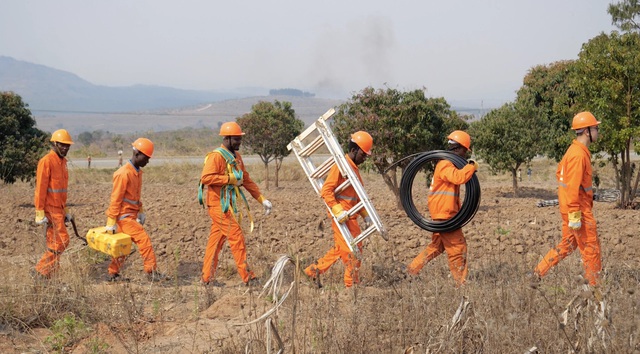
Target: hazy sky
(467, 51)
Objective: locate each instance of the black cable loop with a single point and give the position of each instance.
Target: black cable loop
(470, 203)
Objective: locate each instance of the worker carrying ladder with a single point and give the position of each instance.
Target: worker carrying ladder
(319, 135)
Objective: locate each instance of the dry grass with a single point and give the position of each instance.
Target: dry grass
(500, 310)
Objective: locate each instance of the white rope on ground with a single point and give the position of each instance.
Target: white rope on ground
(274, 282)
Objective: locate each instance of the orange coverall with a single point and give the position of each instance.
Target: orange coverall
(575, 193)
(444, 203)
(124, 207)
(347, 198)
(224, 225)
(52, 179)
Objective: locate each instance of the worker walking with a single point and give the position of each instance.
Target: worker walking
(126, 213)
(52, 178)
(340, 202)
(575, 197)
(444, 203)
(223, 175)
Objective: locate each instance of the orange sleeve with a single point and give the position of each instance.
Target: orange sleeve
(451, 174)
(574, 168)
(117, 194)
(329, 186)
(43, 176)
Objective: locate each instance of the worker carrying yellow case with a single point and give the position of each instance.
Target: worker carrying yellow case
(115, 245)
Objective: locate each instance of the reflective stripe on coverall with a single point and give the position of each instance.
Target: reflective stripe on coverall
(124, 207)
(347, 198)
(575, 193)
(52, 179)
(444, 203)
(224, 225)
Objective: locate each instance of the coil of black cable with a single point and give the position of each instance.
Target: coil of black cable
(470, 203)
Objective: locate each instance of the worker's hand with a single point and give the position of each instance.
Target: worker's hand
(111, 226)
(367, 221)
(474, 163)
(234, 181)
(267, 206)
(575, 220)
(142, 217)
(40, 218)
(340, 214)
(67, 215)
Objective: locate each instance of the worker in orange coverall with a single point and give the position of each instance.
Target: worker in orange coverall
(444, 203)
(126, 214)
(50, 201)
(222, 175)
(575, 197)
(359, 149)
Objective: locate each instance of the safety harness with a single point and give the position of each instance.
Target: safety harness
(229, 194)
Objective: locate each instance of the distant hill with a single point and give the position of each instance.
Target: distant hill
(45, 88)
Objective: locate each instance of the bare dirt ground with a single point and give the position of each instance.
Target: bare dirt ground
(506, 239)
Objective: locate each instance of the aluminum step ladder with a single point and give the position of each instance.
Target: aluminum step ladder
(310, 141)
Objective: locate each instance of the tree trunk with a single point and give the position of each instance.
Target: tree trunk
(278, 166)
(514, 179)
(391, 181)
(266, 175)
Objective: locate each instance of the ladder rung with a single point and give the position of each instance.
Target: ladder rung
(323, 169)
(356, 208)
(342, 186)
(312, 147)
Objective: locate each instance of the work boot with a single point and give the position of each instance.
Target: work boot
(316, 279)
(534, 280)
(214, 283)
(112, 278)
(157, 276)
(253, 282)
(38, 277)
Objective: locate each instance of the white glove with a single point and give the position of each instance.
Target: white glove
(267, 207)
(42, 221)
(142, 217)
(367, 221)
(111, 228)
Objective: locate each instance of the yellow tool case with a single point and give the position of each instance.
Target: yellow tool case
(115, 245)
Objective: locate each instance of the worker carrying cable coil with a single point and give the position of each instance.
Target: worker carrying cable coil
(447, 214)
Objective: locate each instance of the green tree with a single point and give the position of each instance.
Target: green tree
(547, 95)
(21, 143)
(607, 79)
(401, 124)
(625, 15)
(86, 138)
(506, 139)
(269, 127)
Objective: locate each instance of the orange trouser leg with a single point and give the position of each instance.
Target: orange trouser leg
(340, 250)
(586, 239)
(57, 242)
(433, 250)
(132, 228)
(456, 247)
(223, 227)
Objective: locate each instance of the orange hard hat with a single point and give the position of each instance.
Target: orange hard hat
(61, 136)
(231, 129)
(363, 140)
(461, 138)
(143, 145)
(583, 120)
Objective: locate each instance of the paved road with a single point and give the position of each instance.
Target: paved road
(113, 162)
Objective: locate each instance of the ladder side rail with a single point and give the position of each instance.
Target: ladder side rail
(307, 167)
(364, 234)
(310, 129)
